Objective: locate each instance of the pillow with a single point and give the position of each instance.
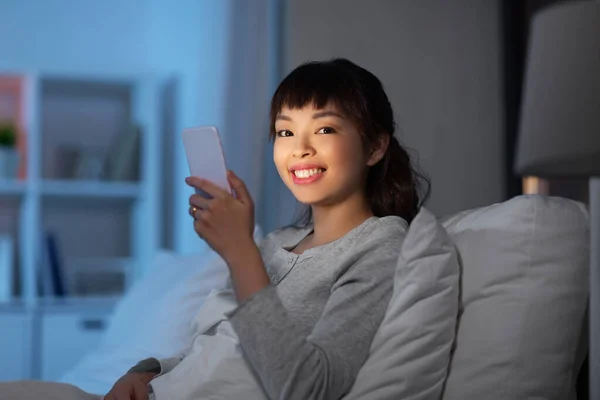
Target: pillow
(524, 292)
(410, 353)
(154, 318)
(166, 271)
(158, 326)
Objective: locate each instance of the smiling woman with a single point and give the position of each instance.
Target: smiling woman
(336, 116)
(312, 297)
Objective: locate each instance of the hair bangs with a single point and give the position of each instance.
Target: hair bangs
(315, 84)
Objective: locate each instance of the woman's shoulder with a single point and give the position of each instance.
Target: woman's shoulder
(378, 244)
(374, 232)
(384, 229)
(390, 223)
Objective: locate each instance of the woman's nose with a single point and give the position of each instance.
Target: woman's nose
(303, 149)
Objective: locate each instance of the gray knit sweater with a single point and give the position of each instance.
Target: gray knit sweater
(308, 333)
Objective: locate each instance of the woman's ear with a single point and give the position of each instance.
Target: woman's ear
(378, 151)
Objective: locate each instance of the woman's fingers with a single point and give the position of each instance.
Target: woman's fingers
(200, 202)
(207, 186)
(240, 188)
(140, 391)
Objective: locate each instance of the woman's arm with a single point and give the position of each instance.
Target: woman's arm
(324, 364)
(247, 271)
(226, 223)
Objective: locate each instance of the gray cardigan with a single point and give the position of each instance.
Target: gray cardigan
(308, 333)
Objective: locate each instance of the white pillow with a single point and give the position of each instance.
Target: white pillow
(410, 353)
(155, 323)
(167, 270)
(154, 318)
(524, 293)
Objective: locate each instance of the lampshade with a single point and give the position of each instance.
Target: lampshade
(559, 133)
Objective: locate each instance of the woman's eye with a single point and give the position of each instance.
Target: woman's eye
(326, 130)
(284, 133)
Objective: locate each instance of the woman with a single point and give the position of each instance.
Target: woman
(311, 298)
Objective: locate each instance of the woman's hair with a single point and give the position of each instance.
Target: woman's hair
(394, 185)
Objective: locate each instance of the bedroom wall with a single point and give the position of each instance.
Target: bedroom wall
(36, 34)
(441, 65)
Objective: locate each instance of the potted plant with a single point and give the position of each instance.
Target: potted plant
(9, 157)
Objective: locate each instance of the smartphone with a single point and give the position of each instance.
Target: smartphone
(205, 156)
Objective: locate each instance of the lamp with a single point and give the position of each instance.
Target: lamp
(559, 133)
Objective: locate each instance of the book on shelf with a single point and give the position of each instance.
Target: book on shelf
(84, 163)
(123, 161)
(51, 273)
(119, 162)
(6, 268)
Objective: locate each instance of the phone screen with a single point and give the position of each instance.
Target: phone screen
(205, 156)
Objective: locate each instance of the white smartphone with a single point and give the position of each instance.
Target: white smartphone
(205, 156)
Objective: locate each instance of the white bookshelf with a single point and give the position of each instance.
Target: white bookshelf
(12, 188)
(118, 219)
(91, 189)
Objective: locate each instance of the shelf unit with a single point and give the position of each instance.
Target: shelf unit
(91, 189)
(39, 200)
(12, 188)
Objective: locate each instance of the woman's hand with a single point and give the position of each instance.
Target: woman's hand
(225, 222)
(131, 386)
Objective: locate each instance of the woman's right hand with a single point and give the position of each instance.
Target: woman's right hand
(131, 386)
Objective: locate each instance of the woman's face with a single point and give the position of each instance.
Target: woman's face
(319, 155)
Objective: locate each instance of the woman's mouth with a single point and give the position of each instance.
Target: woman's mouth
(306, 176)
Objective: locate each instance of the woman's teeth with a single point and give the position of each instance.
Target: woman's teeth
(307, 173)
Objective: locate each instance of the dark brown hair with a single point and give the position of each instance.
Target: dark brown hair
(394, 185)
